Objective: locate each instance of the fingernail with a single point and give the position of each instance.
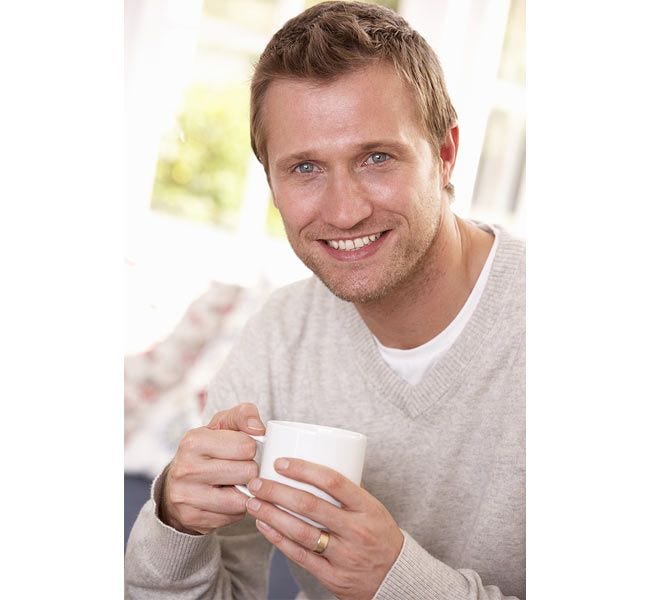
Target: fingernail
(282, 464)
(254, 484)
(253, 504)
(263, 525)
(271, 534)
(255, 424)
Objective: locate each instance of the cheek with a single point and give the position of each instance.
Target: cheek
(297, 205)
(389, 191)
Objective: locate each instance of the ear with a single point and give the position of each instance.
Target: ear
(448, 152)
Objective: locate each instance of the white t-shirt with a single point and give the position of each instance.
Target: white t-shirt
(413, 363)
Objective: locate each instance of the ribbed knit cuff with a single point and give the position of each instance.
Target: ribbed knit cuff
(418, 575)
(176, 555)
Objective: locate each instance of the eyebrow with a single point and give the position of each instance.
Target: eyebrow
(303, 155)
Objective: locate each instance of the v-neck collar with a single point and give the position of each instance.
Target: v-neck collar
(414, 399)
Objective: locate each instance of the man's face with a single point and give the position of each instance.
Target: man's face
(355, 179)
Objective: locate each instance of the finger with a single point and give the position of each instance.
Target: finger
(350, 495)
(204, 522)
(216, 471)
(316, 564)
(243, 417)
(288, 525)
(230, 445)
(218, 500)
(300, 502)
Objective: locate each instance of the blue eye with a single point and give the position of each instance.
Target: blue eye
(305, 167)
(378, 157)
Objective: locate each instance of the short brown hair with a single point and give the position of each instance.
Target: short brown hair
(333, 38)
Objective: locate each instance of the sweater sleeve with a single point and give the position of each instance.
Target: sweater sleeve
(163, 563)
(418, 575)
(229, 563)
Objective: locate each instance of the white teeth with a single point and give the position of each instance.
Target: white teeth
(353, 244)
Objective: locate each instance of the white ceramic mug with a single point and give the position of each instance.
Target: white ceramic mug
(339, 449)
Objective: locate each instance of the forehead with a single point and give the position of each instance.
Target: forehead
(366, 104)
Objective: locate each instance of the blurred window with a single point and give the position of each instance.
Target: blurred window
(201, 170)
(500, 179)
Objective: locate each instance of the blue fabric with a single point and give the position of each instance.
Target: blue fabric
(137, 490)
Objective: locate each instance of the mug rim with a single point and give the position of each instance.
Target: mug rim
(314, 428)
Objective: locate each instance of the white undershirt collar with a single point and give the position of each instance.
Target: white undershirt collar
(413, 363)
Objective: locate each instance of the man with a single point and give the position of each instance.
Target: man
(412, 332)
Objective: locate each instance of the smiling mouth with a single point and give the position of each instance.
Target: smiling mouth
(355, 243)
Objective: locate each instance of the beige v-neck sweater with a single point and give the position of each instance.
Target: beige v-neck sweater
(446, 456)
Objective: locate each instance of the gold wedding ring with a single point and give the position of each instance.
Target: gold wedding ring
(323, 540)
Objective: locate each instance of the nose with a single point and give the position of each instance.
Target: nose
(345, 203)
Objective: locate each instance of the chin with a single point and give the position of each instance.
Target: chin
(357, 285)
(358, 291)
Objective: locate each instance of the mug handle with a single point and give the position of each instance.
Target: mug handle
(259, 440)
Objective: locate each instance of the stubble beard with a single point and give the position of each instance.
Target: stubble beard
(403, 268)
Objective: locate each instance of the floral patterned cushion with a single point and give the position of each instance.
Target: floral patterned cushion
(165, 387)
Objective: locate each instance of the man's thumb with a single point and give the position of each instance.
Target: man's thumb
(243, 417)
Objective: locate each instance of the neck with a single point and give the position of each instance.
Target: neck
(430, 299)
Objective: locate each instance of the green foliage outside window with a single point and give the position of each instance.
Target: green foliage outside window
(202, 161)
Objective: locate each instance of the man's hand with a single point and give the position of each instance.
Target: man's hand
(197, 494)
(364, 539)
